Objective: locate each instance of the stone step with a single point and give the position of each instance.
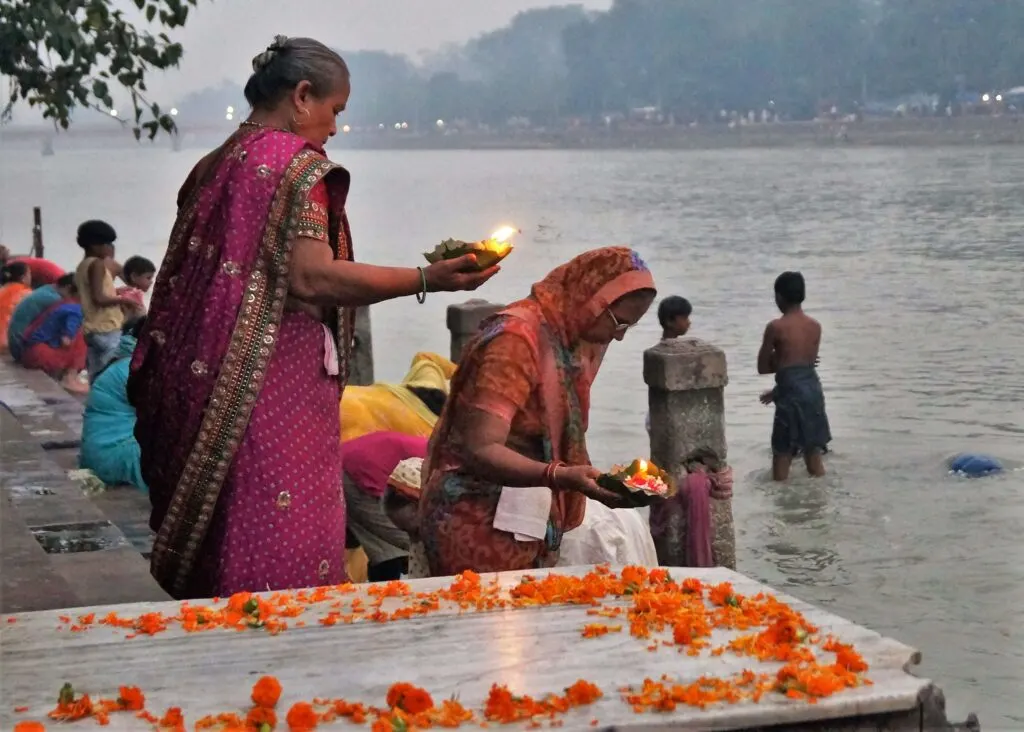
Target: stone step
(60, 548)
(52, 416)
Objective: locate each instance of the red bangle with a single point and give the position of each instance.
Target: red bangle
(549, 472)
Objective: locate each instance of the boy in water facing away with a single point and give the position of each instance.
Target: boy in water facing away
(790, 351)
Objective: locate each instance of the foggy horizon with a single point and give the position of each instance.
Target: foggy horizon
(361, 25)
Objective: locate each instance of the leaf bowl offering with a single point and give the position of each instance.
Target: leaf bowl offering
(488, 252)
(641, 483)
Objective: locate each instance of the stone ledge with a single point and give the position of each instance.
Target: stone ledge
(685, 364)
(463, 321)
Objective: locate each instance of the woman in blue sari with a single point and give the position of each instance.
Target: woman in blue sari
(109, 447)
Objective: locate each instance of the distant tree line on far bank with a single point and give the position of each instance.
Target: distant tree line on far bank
(689, 60)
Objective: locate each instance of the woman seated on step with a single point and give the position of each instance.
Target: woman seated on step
(15, 285)
(109, 447)
(31, 307)
(54, 342)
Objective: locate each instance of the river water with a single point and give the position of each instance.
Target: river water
(913, 264)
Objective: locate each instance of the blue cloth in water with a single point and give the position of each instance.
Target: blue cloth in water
(974, 465)
(801, 425)
(31, 307)
(109, 447)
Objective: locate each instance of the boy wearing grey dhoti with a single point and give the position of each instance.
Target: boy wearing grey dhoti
(790, 351)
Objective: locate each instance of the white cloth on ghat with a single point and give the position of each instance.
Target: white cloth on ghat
(609, 536)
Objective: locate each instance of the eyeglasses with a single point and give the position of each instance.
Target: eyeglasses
(620, 328)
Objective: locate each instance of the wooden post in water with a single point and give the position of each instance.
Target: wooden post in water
(464, 321)
(686, 381)
(37, 232)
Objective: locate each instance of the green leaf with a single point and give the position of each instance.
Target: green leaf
(151, 13)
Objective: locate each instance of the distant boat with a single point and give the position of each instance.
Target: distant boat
(47, 147)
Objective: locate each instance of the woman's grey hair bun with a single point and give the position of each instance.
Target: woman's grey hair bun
(262, 60)
(288, 61)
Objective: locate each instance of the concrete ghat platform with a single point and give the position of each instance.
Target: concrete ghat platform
(533, 650)
(58, 547)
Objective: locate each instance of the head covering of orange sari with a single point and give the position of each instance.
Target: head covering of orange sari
(560, 307)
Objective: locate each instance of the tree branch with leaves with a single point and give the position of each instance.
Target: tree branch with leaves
(64, 55)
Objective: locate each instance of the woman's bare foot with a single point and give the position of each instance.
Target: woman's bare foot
(74, 384)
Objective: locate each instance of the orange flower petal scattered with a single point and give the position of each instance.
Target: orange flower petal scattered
(658, 611)
(260, 717)
(266, 692)
(410, 699)
(302, 717)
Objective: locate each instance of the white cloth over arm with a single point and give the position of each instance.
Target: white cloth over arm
(609, 536)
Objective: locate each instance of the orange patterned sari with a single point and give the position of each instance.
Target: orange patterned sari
(529, 367)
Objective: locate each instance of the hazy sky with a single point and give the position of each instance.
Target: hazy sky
(222, 36)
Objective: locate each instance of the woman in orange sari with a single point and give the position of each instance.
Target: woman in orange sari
(15, 283)
(517, 417)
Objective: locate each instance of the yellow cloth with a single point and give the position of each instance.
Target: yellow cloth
(392, 407)
(429, 371)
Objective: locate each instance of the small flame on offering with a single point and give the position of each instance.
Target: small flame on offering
(504, 234)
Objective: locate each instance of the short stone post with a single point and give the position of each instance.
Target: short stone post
(361, 373)
(464, 321)
(686, 380)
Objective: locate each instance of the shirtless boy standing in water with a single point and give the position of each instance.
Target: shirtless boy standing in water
(790, 351)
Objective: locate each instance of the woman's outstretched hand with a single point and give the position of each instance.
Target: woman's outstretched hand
(457, 275)
(583, 479)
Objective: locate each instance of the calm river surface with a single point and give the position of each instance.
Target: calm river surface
(914, 265)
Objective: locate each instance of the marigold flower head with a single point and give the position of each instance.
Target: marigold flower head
(131, 698)
(266, 692)
(409, 698)
(302, 717)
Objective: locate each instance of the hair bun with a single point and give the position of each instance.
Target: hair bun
(262, 60)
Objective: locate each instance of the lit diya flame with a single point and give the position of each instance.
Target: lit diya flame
(503, 234)
(642, 467)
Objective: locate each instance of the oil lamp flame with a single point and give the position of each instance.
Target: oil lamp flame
(504, 234)
(643, 466)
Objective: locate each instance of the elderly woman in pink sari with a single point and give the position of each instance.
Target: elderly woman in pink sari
(239, 369)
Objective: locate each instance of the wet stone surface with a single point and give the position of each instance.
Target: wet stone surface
(90, 536)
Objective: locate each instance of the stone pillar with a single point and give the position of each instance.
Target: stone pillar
(686, 381)
(362, 350)
(464, 320)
